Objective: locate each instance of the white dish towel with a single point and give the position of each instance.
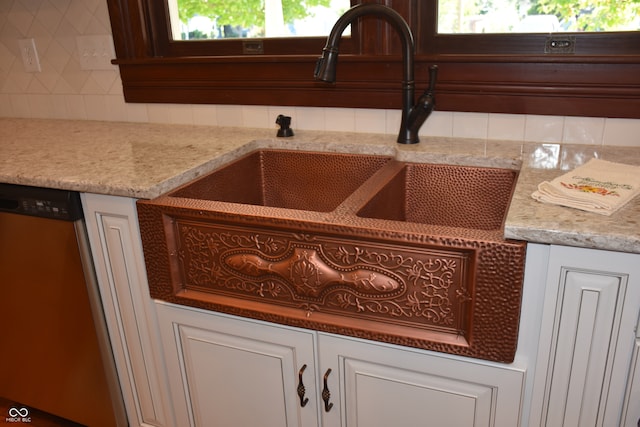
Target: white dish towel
(597, 186)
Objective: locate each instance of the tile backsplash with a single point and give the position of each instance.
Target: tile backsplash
(66, 89)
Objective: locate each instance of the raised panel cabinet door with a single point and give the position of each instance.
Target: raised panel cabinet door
(382, 385)
(631, 412)
(114, 237)
(587, 337)
(228, 371)
(586, 334)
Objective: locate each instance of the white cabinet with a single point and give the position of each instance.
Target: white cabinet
(631, 412)
(588, 337)
(114, 236)
(217, 370)
(226, 371)
(381, 385)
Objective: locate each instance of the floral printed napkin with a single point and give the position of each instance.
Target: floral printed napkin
(597, 186)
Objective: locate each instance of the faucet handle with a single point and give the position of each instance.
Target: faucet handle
(433, 76)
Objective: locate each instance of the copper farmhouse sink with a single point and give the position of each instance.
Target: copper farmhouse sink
(360, 245)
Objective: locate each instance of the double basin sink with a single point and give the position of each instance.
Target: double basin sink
(361, 245)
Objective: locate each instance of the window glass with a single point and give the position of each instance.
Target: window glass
(537, 16)
(224, 19)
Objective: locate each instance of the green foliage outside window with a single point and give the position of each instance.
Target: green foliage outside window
(244, 14)
(502, 16)
(236, 18)
(594, 15)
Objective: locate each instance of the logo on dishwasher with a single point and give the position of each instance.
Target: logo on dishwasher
(18, 415)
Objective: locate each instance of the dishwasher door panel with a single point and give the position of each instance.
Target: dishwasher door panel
(49, 353)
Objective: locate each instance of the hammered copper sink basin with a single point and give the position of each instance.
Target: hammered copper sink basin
(286, 179)
(360, 245)
(448, 195)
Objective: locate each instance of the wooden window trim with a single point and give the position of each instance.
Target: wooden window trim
(588, 83)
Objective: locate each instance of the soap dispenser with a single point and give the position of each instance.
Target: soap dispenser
(285, 126)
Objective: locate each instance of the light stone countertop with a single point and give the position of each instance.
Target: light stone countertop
(145, 160)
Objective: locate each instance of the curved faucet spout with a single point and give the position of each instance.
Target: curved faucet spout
(326, 69)
(326, 66)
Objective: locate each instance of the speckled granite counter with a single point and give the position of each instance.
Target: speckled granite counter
(121, 159)
(144, 161)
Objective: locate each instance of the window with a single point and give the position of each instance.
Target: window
(563, 73)
(201, 20)
(230, 32)
(537, 16)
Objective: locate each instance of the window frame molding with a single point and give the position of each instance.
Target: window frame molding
(585, 84)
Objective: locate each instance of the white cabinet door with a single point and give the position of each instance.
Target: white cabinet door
(587, 337)
(114, 236)
(226, 371)
(631, 412)
(377, 385)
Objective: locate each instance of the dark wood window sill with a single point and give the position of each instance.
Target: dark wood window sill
(586, 86)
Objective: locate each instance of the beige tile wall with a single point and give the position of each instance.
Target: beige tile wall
(63, 90)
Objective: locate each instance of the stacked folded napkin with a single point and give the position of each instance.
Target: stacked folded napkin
(597, 186)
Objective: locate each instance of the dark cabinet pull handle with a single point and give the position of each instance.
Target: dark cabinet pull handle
(326, 394)
(301, 389)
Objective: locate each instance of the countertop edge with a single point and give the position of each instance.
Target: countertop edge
(630, 244)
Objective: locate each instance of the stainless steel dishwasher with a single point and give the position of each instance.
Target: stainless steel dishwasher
(54, 350)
